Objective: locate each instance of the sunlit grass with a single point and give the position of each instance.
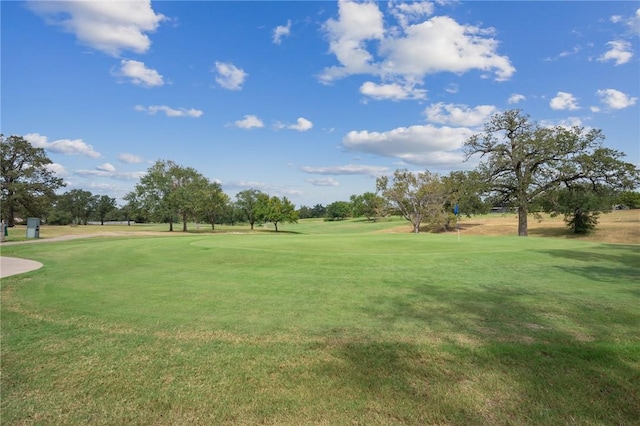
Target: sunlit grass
(328, 323)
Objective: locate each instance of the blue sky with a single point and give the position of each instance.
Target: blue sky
(306, 99)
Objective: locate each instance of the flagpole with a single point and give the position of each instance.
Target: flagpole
(456, 211)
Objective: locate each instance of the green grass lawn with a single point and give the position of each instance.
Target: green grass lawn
(330, 324)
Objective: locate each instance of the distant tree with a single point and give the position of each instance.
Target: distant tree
(305, 212)
(28, 185)
(247, 200)
(338, 210)
(276, 210)
(188, 193)
(580, 204)
(369, 205)
(168, 191)
(418, 197)
(104, 206)
(79, 203)
(214, 203)
(319, 211)
(630, 199)
(521, 161)
(232, 213)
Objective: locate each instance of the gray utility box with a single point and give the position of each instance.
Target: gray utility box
(33, 227)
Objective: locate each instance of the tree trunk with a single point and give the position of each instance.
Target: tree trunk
(276, 225)
(171, 225)
(523, 212)
(416, 228)
(184, 222)
(11, 220)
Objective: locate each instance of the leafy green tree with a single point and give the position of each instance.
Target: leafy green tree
(79, 203)
(214, 203)
(28, 185)
(104, 206)
(463, 189)
(581, 205)
(521, 161)
(338, 210)
(304, 212)
(630, 199)
(318, 211)
(369, 205)
(276, 210)
(189, 190)
(168, 191)
(247, 200)
(418, 197)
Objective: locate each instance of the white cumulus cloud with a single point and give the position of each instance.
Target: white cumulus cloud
(616, 99)
(229, 76)
(139, 73)
(620, 52)
(362, 45)
(170, 112)
(302, 125)
(564, 101)
(108, 26)
(249, 122)
(62, 146)
(426, 145)
(516, 98)
(459, 115)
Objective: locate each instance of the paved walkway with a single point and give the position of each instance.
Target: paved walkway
(13, 266)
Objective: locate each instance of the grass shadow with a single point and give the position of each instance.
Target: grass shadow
(494, 360)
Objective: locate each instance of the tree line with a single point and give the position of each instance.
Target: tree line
(523, 167)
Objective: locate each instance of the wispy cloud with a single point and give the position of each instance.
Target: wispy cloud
(62, 146)
(168, 111)
(323, 182)
(281, 31)
(348, 169)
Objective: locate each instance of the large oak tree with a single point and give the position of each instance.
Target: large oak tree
(28, 185)
(521, 161)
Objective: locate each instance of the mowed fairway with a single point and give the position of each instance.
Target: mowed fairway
(336, 324)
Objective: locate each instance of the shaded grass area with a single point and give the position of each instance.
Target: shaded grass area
(322, 328)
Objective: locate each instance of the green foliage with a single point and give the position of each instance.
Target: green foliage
(247, 201)
(316, 211)
(630, 199)
(27, 185)
(338, 210)
(369, 205)
(581, 205)
(522, 161)
(276, 210)
(419, 197)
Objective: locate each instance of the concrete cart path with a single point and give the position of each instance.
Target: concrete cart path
(13, 266)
